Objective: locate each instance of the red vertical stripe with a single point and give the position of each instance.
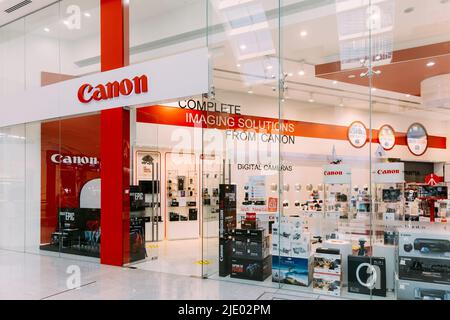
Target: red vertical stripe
(115, 141)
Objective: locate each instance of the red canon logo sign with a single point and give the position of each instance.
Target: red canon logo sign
(333, 173)
(112, 90)
(388, 171)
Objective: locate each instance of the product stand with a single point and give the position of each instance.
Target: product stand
(210, 202)
(182, 196)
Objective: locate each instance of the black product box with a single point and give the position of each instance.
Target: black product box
(258, 270)
(424, 270)
(193, 214)
(247, 249)
(225, 251)
(252, 234)
(249, 224)
(367, 275)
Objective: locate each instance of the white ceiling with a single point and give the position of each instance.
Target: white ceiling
(25, 10)
(429, 22)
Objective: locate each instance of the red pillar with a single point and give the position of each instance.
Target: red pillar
(115, 141)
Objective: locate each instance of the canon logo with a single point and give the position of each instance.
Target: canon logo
(396, 171)
(333, 173)
(112, 90)
(77, 160)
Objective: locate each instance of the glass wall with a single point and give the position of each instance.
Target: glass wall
(50, 198)
(358, 197)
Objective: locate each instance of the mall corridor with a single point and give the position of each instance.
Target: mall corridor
(26, 276)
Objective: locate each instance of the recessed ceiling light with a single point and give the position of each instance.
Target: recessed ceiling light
(311, 98)
(301, 73)
(408, 95)
(47, 29)
(303, 33)
(290, 74)
(87, 14)
(269, 67)
(238, 65)
(243, 47)
(66, 22)
(431, 64)
(374, 89)
(250, 91)
(335, 82)
(352, 76)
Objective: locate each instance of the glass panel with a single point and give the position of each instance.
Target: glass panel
(325, 158)
(243, 134)
(409, 184)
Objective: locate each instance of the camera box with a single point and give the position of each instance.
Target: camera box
(328, 284)
(414, 290)
(329, 263)
(294, 271)
(367, 275)
(252, 234)
(250, 269)
(285, 248)
(424, 244)
(301, 245)
(424, 270)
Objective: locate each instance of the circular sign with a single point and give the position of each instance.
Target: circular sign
(386, 137)
(417, 139)
(357, 134)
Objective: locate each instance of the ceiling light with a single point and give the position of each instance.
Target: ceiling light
(66, 22)
(378, 58)
(303, 33)
(408, 95)
(87, 14)
(352, 76)
(47, 29)
(431, 64)
(238, 65)
(341, 104)
(290, 74)
(377, 72)
(335, 82)
(250, 91)
(311, 98)
(243, 47)
(301, 73)
(374, 89)
(269, 67)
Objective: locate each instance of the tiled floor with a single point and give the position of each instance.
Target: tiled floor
(29, 276)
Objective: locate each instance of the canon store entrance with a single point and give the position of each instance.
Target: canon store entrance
(170, 225)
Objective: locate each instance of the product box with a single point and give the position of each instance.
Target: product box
(285, 247)
(250, 269)
(362, 278)
(258, 250)
(327, 284)
(329, 263)
(424, 244)
(252, 234)
(294, 271)
(425, 270)
(413, 290)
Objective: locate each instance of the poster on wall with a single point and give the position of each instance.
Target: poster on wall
(386, 137)
(337, 174)
(389, 172)
(417, 139)
(144, 165)
(357, 134)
